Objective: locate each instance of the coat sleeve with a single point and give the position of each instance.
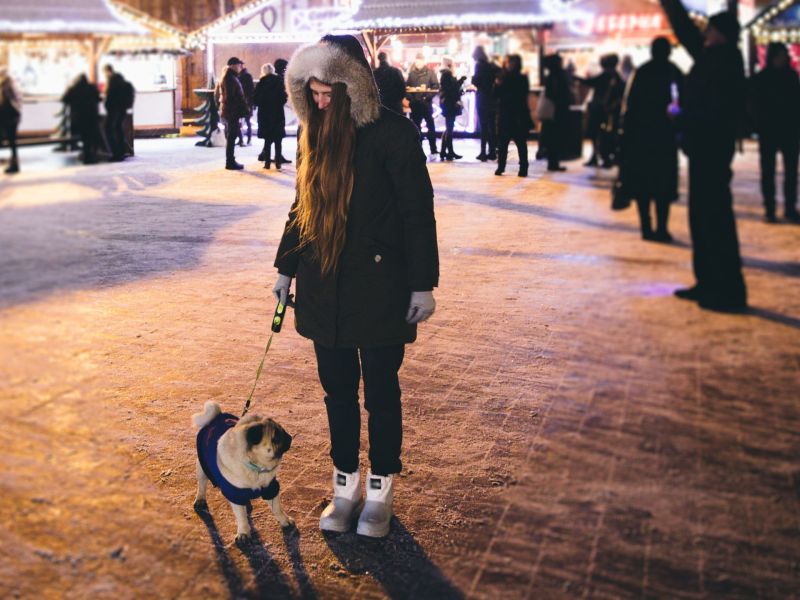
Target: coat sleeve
(287, 257)
(685, 30)
(405, 163)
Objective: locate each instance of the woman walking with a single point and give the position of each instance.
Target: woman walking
(556, 129)
(361, 243)
(450, 103)
(513, 114)
(269, 97)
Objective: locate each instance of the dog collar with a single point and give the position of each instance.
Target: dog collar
(259, 469)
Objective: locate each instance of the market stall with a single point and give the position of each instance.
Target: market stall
(778, 22)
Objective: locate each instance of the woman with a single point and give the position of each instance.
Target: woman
(555, 131)
(450, 103)
(483, 80)
(649, 162)
(10, 113)
(361, 243)
(513, 114)
(269, 98)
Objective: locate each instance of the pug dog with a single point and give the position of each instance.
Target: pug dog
(240, 457)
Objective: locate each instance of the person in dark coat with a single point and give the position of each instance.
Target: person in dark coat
(391, 84)
(555, 131)
(711, 113)
(607, 90)
(269, 97)
(450, 103)
(83, 99)
(513, 115)
(649, 166)
(420, 76)
(775, 110)
(280, 71)
(10, 114)
(361, 244)
(248, 87)
(233, 106)
(119, 98)
(483, 79)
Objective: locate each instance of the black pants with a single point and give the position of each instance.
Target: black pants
(8, 130)
(423, 112)
(267, 147)
(232, 132)
(789, 147)
(662, 215)
(715, 244)
(520, 138)
(447, 136)
(115, 134)
(249, 127)
(487, 120)
(340, 373)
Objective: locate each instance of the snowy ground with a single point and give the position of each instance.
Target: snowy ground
(571, 429)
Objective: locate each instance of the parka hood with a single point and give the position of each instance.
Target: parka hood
(331, 63)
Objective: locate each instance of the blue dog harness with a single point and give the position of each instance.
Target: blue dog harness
(207, 439)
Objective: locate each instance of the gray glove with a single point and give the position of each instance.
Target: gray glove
(421, 307)
(281, 289)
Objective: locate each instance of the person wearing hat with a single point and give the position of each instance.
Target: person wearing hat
(361, 244)
(391, 84)
(712, 109)
(233, 105)
(420, 102)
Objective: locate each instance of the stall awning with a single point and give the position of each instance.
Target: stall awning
(418, 15)
(778, 22)
(63, 17)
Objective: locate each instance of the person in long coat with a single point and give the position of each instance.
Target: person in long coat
(269, 98)
(83, 99)
(391, 84)
(233, 106)
(649, 166)
(361, 245)
(513, 115)
(711, 114)
(775, 110)
(117, 102)
(483, 79)
(450, 103)
(280, 71)
(10, 113)
(248, 87)
(603, 110)
(555, 131)
(421, 101)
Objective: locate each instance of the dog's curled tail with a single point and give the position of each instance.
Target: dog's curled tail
(210, 410)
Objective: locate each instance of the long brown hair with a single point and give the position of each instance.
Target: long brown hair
(325, 177)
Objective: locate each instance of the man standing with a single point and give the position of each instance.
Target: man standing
(391, 85)
(775, 99)
(485, 74)
(712, 109)
(426, 84)
(10, 112)
(280, 71)
(119, 98)
(232, 107)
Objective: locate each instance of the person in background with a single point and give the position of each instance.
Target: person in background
(607, 90)
(775, 110)
(450, 103)
(83, 99)
(233, 106)
(711, 115)
(555, 131)
(483, 79)
(119, 98)
(649, 165)
(280, 71)
(361, 243)
(513, 115)
(391, 84)
(269, 97)
(626, 68)
(10, 113)
(246, 79)
(420, 76)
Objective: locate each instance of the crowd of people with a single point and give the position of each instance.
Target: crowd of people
(82, 108)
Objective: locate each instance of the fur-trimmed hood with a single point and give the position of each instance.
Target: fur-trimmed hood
(330, 63)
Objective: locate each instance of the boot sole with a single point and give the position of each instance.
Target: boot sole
(344, 528)
(373, 531)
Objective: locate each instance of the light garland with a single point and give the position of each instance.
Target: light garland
(765, 34)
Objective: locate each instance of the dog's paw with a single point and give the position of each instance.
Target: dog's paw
(242, 539)
(201, 505)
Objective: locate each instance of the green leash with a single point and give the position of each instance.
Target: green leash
(277, 323)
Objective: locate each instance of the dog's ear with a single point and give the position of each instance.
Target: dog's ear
(281, 441)
(255, 434)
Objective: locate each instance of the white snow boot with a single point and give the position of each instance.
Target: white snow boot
(377, 513)
(338, 515)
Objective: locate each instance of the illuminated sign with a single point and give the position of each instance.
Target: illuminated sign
(620, 23)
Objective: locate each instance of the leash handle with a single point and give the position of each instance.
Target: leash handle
(280, 313)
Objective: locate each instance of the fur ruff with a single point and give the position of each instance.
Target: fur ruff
(330, 64)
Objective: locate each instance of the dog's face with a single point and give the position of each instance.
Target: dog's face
(267, 441)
